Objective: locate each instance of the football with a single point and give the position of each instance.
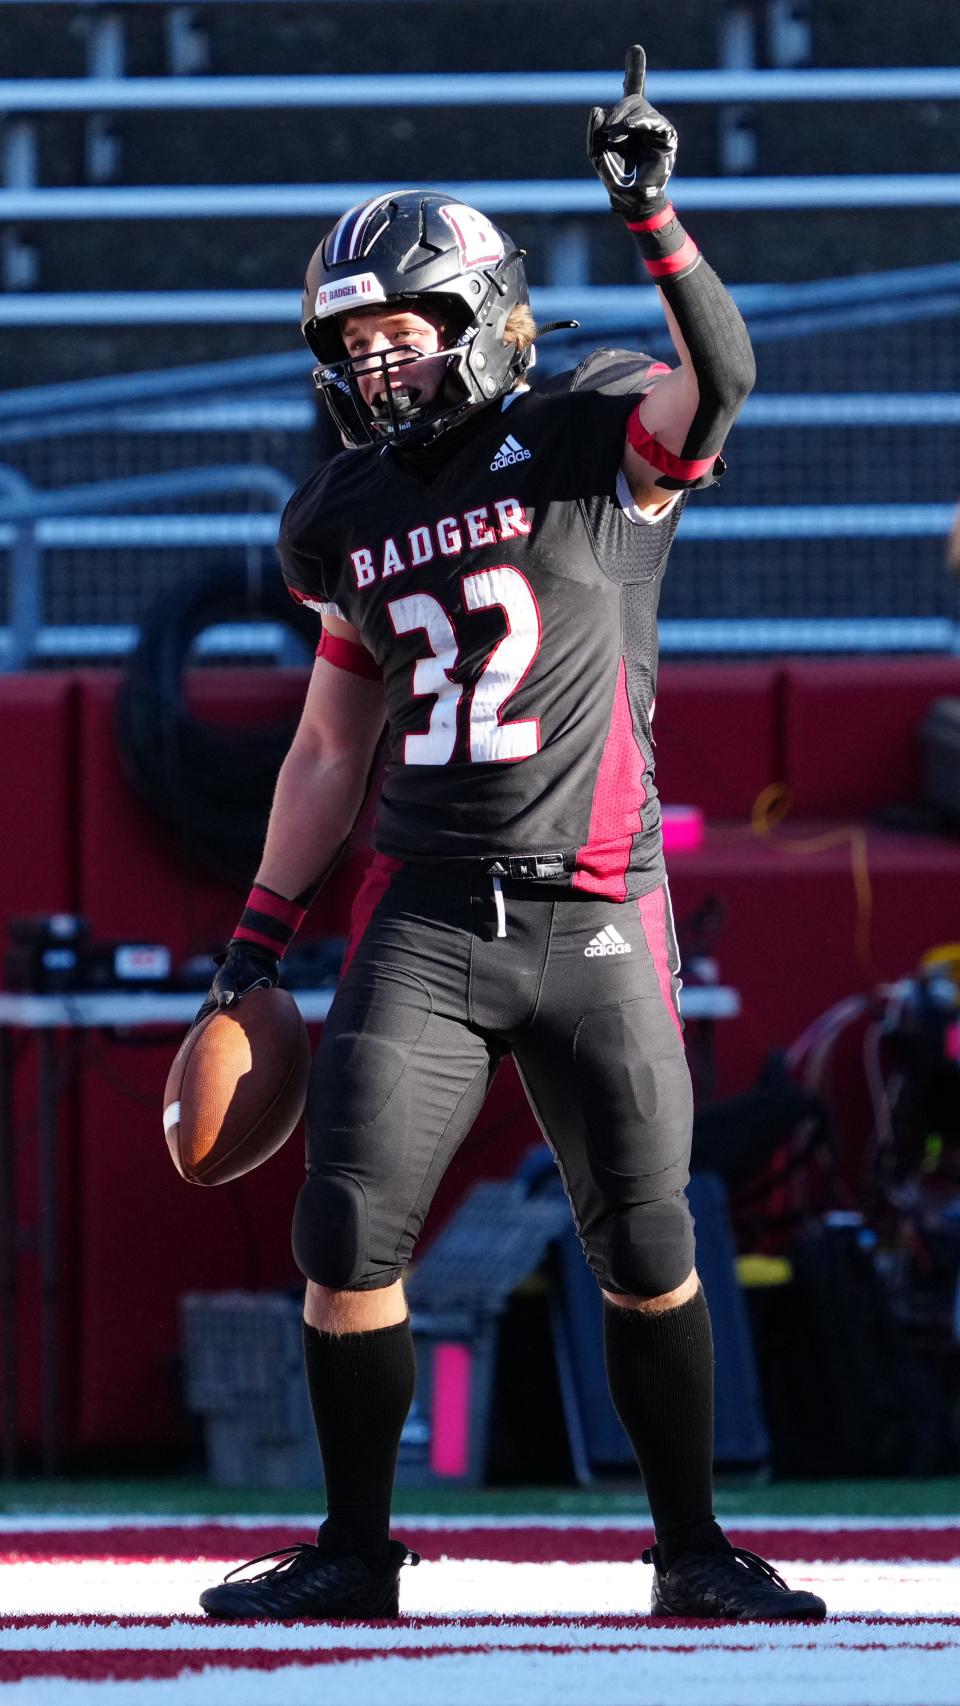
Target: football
(237, 1087)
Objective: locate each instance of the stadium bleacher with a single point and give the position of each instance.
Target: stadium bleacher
(193, 267)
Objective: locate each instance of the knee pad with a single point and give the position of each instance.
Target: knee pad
(330, 1230)
(649, 1248)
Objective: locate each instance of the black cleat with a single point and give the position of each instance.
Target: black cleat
(305, 1582)
(735, 1585)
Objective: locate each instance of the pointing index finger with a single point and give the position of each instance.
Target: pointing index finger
(634, 70)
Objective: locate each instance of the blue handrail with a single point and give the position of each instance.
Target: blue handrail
(207, 377)
(615, 307)
(609, 308)
(87, 499)
(484, 88)
(560, 196)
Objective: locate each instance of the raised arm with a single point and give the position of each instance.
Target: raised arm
(677, 431)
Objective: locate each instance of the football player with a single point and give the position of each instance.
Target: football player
(487, 559)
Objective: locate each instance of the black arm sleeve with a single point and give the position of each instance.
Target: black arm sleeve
(711, 327)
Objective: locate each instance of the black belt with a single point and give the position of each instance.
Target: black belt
(529, 867)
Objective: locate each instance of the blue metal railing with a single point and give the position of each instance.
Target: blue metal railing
(773, 310)
(484, 88)
(555, 196)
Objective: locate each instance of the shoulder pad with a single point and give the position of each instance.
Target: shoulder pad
(615, 372)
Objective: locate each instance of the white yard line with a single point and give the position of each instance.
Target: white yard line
(469, 1587)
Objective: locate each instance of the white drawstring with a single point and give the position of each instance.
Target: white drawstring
(501, 909)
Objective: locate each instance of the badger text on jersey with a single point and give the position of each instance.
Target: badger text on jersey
(448, 537)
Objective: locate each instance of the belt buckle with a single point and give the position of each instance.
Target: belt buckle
(536, 867)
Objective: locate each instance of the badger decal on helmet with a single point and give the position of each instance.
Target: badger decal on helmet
(434, 255)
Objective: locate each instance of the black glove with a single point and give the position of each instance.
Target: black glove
(243, 968)
(632, 147)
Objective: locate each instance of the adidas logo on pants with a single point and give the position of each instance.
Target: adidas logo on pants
(607, 941)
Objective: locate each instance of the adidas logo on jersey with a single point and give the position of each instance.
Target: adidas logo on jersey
(607, 941)
(509, 453)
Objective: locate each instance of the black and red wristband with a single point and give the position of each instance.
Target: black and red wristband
(269, 920)
(668, 251)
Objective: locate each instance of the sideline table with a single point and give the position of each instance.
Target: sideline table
(46, 1017)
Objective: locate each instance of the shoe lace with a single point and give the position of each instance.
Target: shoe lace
(288, 1558)
(759, 1567)
(710, 1565)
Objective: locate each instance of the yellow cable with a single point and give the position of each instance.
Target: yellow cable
(772, 806)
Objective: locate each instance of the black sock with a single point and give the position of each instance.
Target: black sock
(660, 1374)
(361, 1389)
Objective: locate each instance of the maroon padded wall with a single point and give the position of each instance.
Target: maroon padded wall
(788, 942)
(718, 735)
(851, 731)
(37, 872)
(37, 875)
(135, 879)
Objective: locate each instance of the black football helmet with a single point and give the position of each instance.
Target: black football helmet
(433, 254)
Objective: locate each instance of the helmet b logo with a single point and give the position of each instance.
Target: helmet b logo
(479, 242)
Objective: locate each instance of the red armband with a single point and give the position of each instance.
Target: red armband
(664, 460)
(348, 655)
(269, 920)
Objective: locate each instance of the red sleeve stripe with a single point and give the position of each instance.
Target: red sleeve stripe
(656, 222)
(270, 920)
(662, 459)
(348, 655)
(677, 262)
(276, 906)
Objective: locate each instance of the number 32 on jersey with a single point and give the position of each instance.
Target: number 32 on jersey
(490, 740)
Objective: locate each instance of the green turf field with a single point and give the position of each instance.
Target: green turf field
(182, 1496)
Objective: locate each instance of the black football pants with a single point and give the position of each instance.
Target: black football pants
(446, 973)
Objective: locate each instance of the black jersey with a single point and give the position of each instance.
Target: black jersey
(511, 603)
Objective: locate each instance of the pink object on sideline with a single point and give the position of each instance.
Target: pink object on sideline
(682, 829)
(450, 1420)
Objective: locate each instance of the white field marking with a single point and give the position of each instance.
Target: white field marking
(701, 1677)
(206, 1636)
(27, 1523)
(469, 1587)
